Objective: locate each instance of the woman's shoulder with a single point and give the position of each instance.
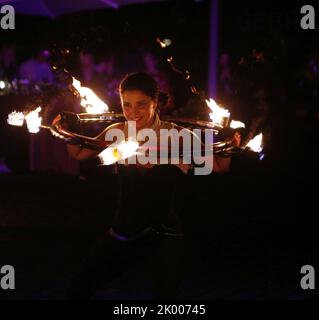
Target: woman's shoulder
(172, 125)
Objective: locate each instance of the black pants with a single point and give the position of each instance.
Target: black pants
(145, 200)
(110, 258)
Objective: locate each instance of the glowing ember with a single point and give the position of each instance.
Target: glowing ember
(90, 100)
(33, 120)
(164, 43)
(255, 144)
(237, 124)
(167, 42)
(123, 150)
(16, 119)
(218, 115)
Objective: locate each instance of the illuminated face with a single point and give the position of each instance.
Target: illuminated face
(139, 107)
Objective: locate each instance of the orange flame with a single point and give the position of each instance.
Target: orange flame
(90, 101)
(219, 115)
(255, 144)
(16, 119)
(33, 120)
(237, 124)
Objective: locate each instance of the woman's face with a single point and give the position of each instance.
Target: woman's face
(139, 107)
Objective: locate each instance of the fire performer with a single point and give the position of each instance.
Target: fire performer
(145, 224)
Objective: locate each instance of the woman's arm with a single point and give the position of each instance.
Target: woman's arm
(79, 153)
(76, 151)
(221, 164)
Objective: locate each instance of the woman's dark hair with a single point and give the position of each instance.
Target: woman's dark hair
(143, 82)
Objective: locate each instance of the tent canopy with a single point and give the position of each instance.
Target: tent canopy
(55, 8)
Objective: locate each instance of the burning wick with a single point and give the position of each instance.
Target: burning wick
(255, 144)
(219, 115)
(32, 119)
(16, 119)
(123, 150)
(90, 100)
(236, 124)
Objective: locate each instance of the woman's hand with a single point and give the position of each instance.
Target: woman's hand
(237, 139)
(58, 119)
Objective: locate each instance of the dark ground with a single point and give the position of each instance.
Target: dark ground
(248, 233)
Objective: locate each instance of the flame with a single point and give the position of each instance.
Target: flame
(218, 115)
(255, 144)
(33, 120)
(237, 124)
(90, 100)
(16, 118)
(123, 150)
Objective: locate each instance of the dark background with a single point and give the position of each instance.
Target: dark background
(248, 232)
